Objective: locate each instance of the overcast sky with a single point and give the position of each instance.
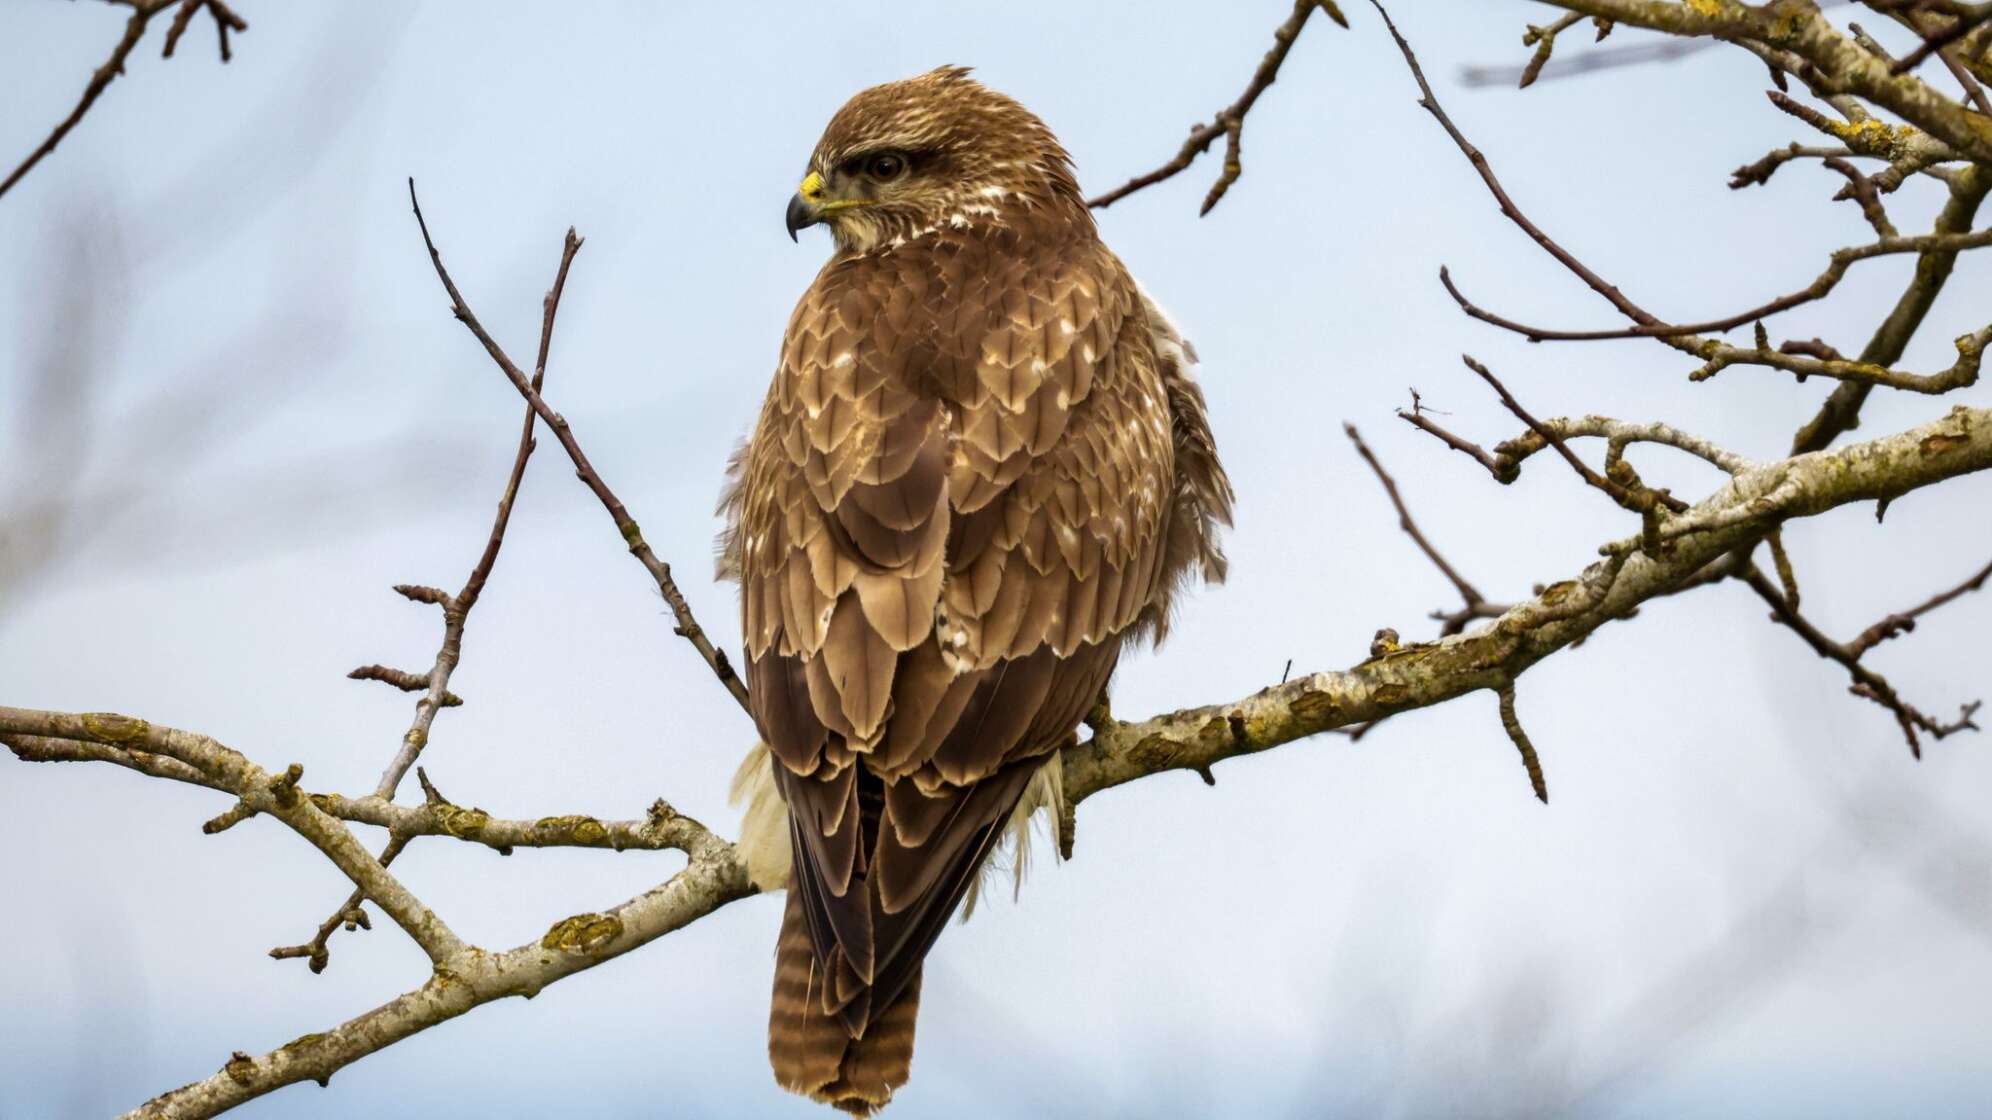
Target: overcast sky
(236, 410)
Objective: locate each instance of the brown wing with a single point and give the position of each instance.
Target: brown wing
(953, 509)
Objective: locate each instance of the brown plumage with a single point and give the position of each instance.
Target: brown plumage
(982, 467)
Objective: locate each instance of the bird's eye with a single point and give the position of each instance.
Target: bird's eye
(885, 166)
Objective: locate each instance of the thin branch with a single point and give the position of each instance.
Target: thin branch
(1646, 324)
(1639, 500)
(1966, 18)
(1867, 683)
(1760, 171)
(1543, 39)
(275, 795)
(1467, 592)
(350, 914)
(1619, 434)
(225, 20)
(1230, 120)
(1512, 724)
(437, 817)
(687, 625)
(456, 609)
(1822, 285)
(456, 615)
(403, 680)
(1417, 419)
(142, 12)
(1904, 621)
(1429, 101)
(1960, 374)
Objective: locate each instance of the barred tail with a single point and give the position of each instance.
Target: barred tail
(810, 1048)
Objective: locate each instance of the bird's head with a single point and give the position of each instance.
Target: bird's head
(937, 151)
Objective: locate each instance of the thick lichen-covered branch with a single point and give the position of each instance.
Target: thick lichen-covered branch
(714, 877)
(1400, 679)
(1838, 64)
(1403, 678)
(1420, 676)
(657, 831)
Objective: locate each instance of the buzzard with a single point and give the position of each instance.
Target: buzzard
(983, 467)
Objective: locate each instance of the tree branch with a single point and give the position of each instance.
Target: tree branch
(660, 572)
(1230, 120)
(277, 795)
(142, 12)
(1401, 679)
(1470, 597)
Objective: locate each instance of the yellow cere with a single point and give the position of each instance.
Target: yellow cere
(812, 187)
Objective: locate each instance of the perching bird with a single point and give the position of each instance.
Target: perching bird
(982, 468)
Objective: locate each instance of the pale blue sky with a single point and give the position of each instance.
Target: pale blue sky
(1744, 898)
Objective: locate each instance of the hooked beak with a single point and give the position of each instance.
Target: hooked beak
(801, 215)
(805, 207)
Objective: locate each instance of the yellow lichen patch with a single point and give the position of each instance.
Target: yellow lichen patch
(283, 787)
(302, 1041)
(1873, 137)
(573, 828)
(1938, 443)
(109, 727)
(1153, 752)
(1709, 8)
(1311, 705)
(1555, 594)
(465, 824)
(582, 933)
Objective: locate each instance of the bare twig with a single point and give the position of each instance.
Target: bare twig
(456, 614)
(1230, 120)
(1904, 621)
(1842, 408)
(1822, 285)
(1965, 18)
(681, 610)
(1417, 419)
(457, 608)
(1469, 595)
(1543, 39)
(207, 762)
(1429, 101)
(1639, 500)
(225, 20)
(142, 12)
(1512, 724)
(1760, 171)
(1867, 683)
(403, 680)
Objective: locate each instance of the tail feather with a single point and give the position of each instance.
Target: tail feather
(812, 1051)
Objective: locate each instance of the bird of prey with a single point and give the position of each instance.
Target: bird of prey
(982, 468)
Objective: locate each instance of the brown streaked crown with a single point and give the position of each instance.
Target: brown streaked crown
(971, 156)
